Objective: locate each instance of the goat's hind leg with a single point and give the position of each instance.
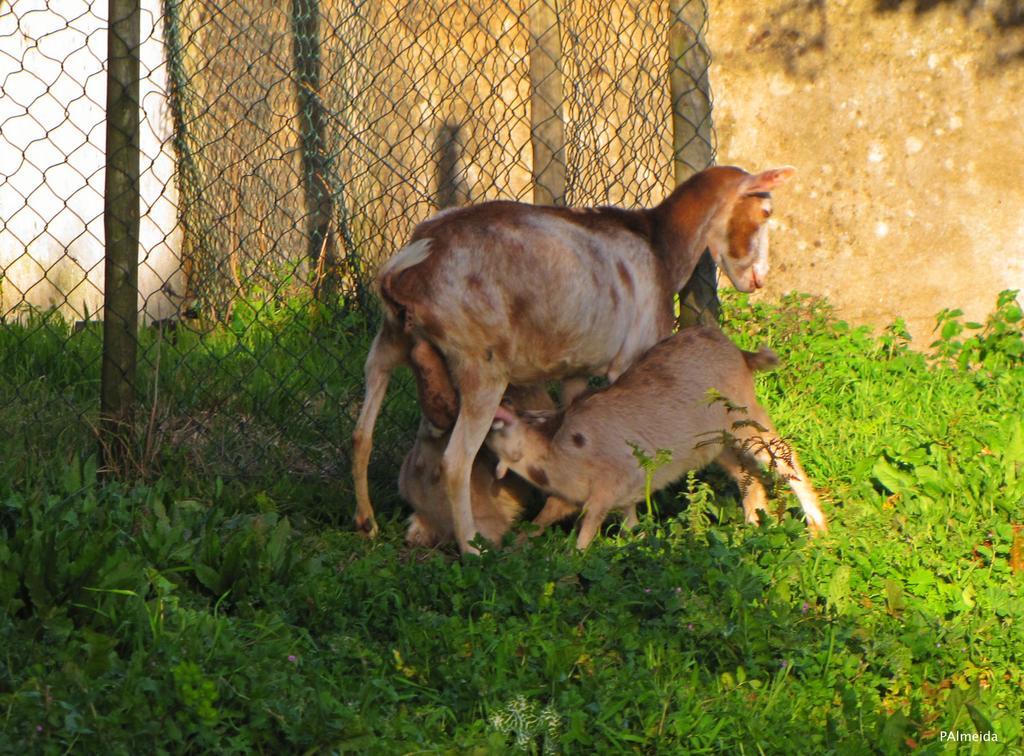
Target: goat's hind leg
(389, 349)
(743, 469)
(480, 394)
(773, 452)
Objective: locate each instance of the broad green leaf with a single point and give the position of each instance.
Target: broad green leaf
(839, 588)
(980, 720)
(208, 577)
(890, 476)
(921, 579)
(894, 596)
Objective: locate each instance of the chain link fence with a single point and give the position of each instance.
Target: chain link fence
(285, 150)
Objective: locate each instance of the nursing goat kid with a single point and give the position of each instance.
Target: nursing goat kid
(511, 293)
(496, 504)
(692, 394)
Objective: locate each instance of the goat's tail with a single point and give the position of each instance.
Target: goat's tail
(409, 256)
(763, 359)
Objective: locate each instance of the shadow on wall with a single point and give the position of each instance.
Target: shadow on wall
(907, 142)
(1005, 17)
(798, 32)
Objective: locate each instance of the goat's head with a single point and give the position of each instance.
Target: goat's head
(517, 435)
(738, 234)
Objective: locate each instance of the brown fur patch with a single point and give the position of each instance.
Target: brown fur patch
(624, 275)
(474, 281)
(746, 219)
(683, 211)
(469, 379)
(707, 333)
(605, 219)
(545, 422)
(405, 287)
(403, 290)
(431, 325)
(436, 392)
(518, 309)
(484, 214)
(613, 295)
(763, 359)
(527, 398)
(501, 349)
(537, 475)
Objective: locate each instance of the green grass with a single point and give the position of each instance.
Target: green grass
(266, 404)
(190, 611)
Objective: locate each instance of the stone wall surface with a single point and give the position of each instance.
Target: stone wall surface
(904, 121)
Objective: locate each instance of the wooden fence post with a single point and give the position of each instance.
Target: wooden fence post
(452, 188)
(322, 246)
(547, 124)
(692, 139)
(194, 213)
(121, 231)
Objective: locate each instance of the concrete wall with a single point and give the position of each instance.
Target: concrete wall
(905, 125)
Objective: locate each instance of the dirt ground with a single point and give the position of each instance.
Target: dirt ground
(905, 127)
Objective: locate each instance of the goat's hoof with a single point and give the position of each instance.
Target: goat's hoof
(366, 527)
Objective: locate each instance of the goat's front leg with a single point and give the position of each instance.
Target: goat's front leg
(555, 510)
(480, 396)
(388, 350)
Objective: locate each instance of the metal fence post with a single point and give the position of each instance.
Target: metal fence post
(121, 229)
(692, 147)
(547, 123)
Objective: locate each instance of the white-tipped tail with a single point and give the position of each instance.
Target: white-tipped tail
(411, 254)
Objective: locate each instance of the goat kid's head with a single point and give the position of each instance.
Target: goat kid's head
(513, 433)
(738, 237)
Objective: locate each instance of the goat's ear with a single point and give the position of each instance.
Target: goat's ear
(539, 417)
(768, 180)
